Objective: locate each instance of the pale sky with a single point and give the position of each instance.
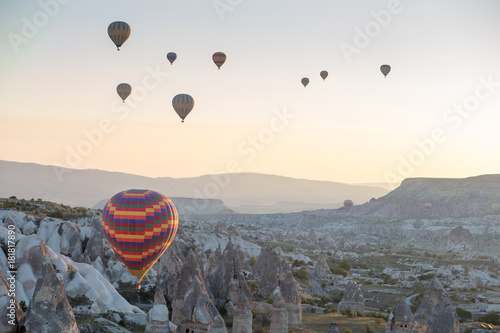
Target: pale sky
(59, 72)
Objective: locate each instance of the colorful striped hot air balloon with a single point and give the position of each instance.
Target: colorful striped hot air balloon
(139, 225)
(385, 69)
(324, 75)
(348, 204)
(427, 206)
(219, 59)
(119, 32)
(305, 81)
(171, 56)
(124, 90)
(183, 104)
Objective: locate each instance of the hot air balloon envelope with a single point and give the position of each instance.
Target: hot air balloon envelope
(219, 59)
(305, 81)
(495, 207)
(324, 75)
(385, 69)
(348, 204)
(427, 206)
(171, 56)
(139, 225)
(183, 104)
(124, 90)
(119, 32)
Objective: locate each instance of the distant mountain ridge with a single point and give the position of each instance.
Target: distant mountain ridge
(451, 197)
(249, 192)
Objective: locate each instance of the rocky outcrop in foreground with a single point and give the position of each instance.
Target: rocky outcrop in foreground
(49, 309)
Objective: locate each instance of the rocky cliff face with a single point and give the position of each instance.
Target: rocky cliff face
(192, 308)
(435, 313)
(49, 309)
(272, 271)
(459, 197)
(9, 307)
(242, 320)
(226, 278)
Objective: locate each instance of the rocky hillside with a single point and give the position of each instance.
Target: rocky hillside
(453, 197)
(242, 192)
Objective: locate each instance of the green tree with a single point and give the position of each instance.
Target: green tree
(339, 271)
(252, 261)
(463, 314)
(345, 265)
(490, 318)
(302, 274)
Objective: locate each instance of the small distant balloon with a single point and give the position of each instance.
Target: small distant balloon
(119, 32)
(124, 90)
(427, 206)
(348, 204)
(219, 59)
(171, 56)
(183, 104)
(324, 75)
(305, 81)
(385, 69)
(495, 207)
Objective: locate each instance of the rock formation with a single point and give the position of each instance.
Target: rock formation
(49, 310)
(158, 316)
(459, 235)
(279, 315)
(321, 268)
(435, 313)
(401, 319)
(192, 309)
(242, 320)
(353, 299)
(169, 268)
(334, 328)
(226, 278)
(9, 307)
(272, 271)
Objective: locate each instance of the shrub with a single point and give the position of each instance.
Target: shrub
(339, 271)
(301, 274)
(252, 261)
(490, 318)
(23, 306)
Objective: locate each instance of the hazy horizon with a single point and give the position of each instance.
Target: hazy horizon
(435, 115)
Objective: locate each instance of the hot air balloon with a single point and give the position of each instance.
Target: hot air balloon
(119, 32)
(219, 58)
(171, 56)
(348, 204)
(305, 81)
(183, 104)
(385, 69)
(124, 90)
(495, 207)
(139, 225)
(427, 206)
(324, 75)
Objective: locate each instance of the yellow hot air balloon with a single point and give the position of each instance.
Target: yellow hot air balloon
(495, 207)
(219, 59)
(385, 69)
(124, 90)
(119, 32)
(305, 81)
(324, 75)
(183, 104)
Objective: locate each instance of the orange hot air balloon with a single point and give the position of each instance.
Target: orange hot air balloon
(139, 225)
(219, 59)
